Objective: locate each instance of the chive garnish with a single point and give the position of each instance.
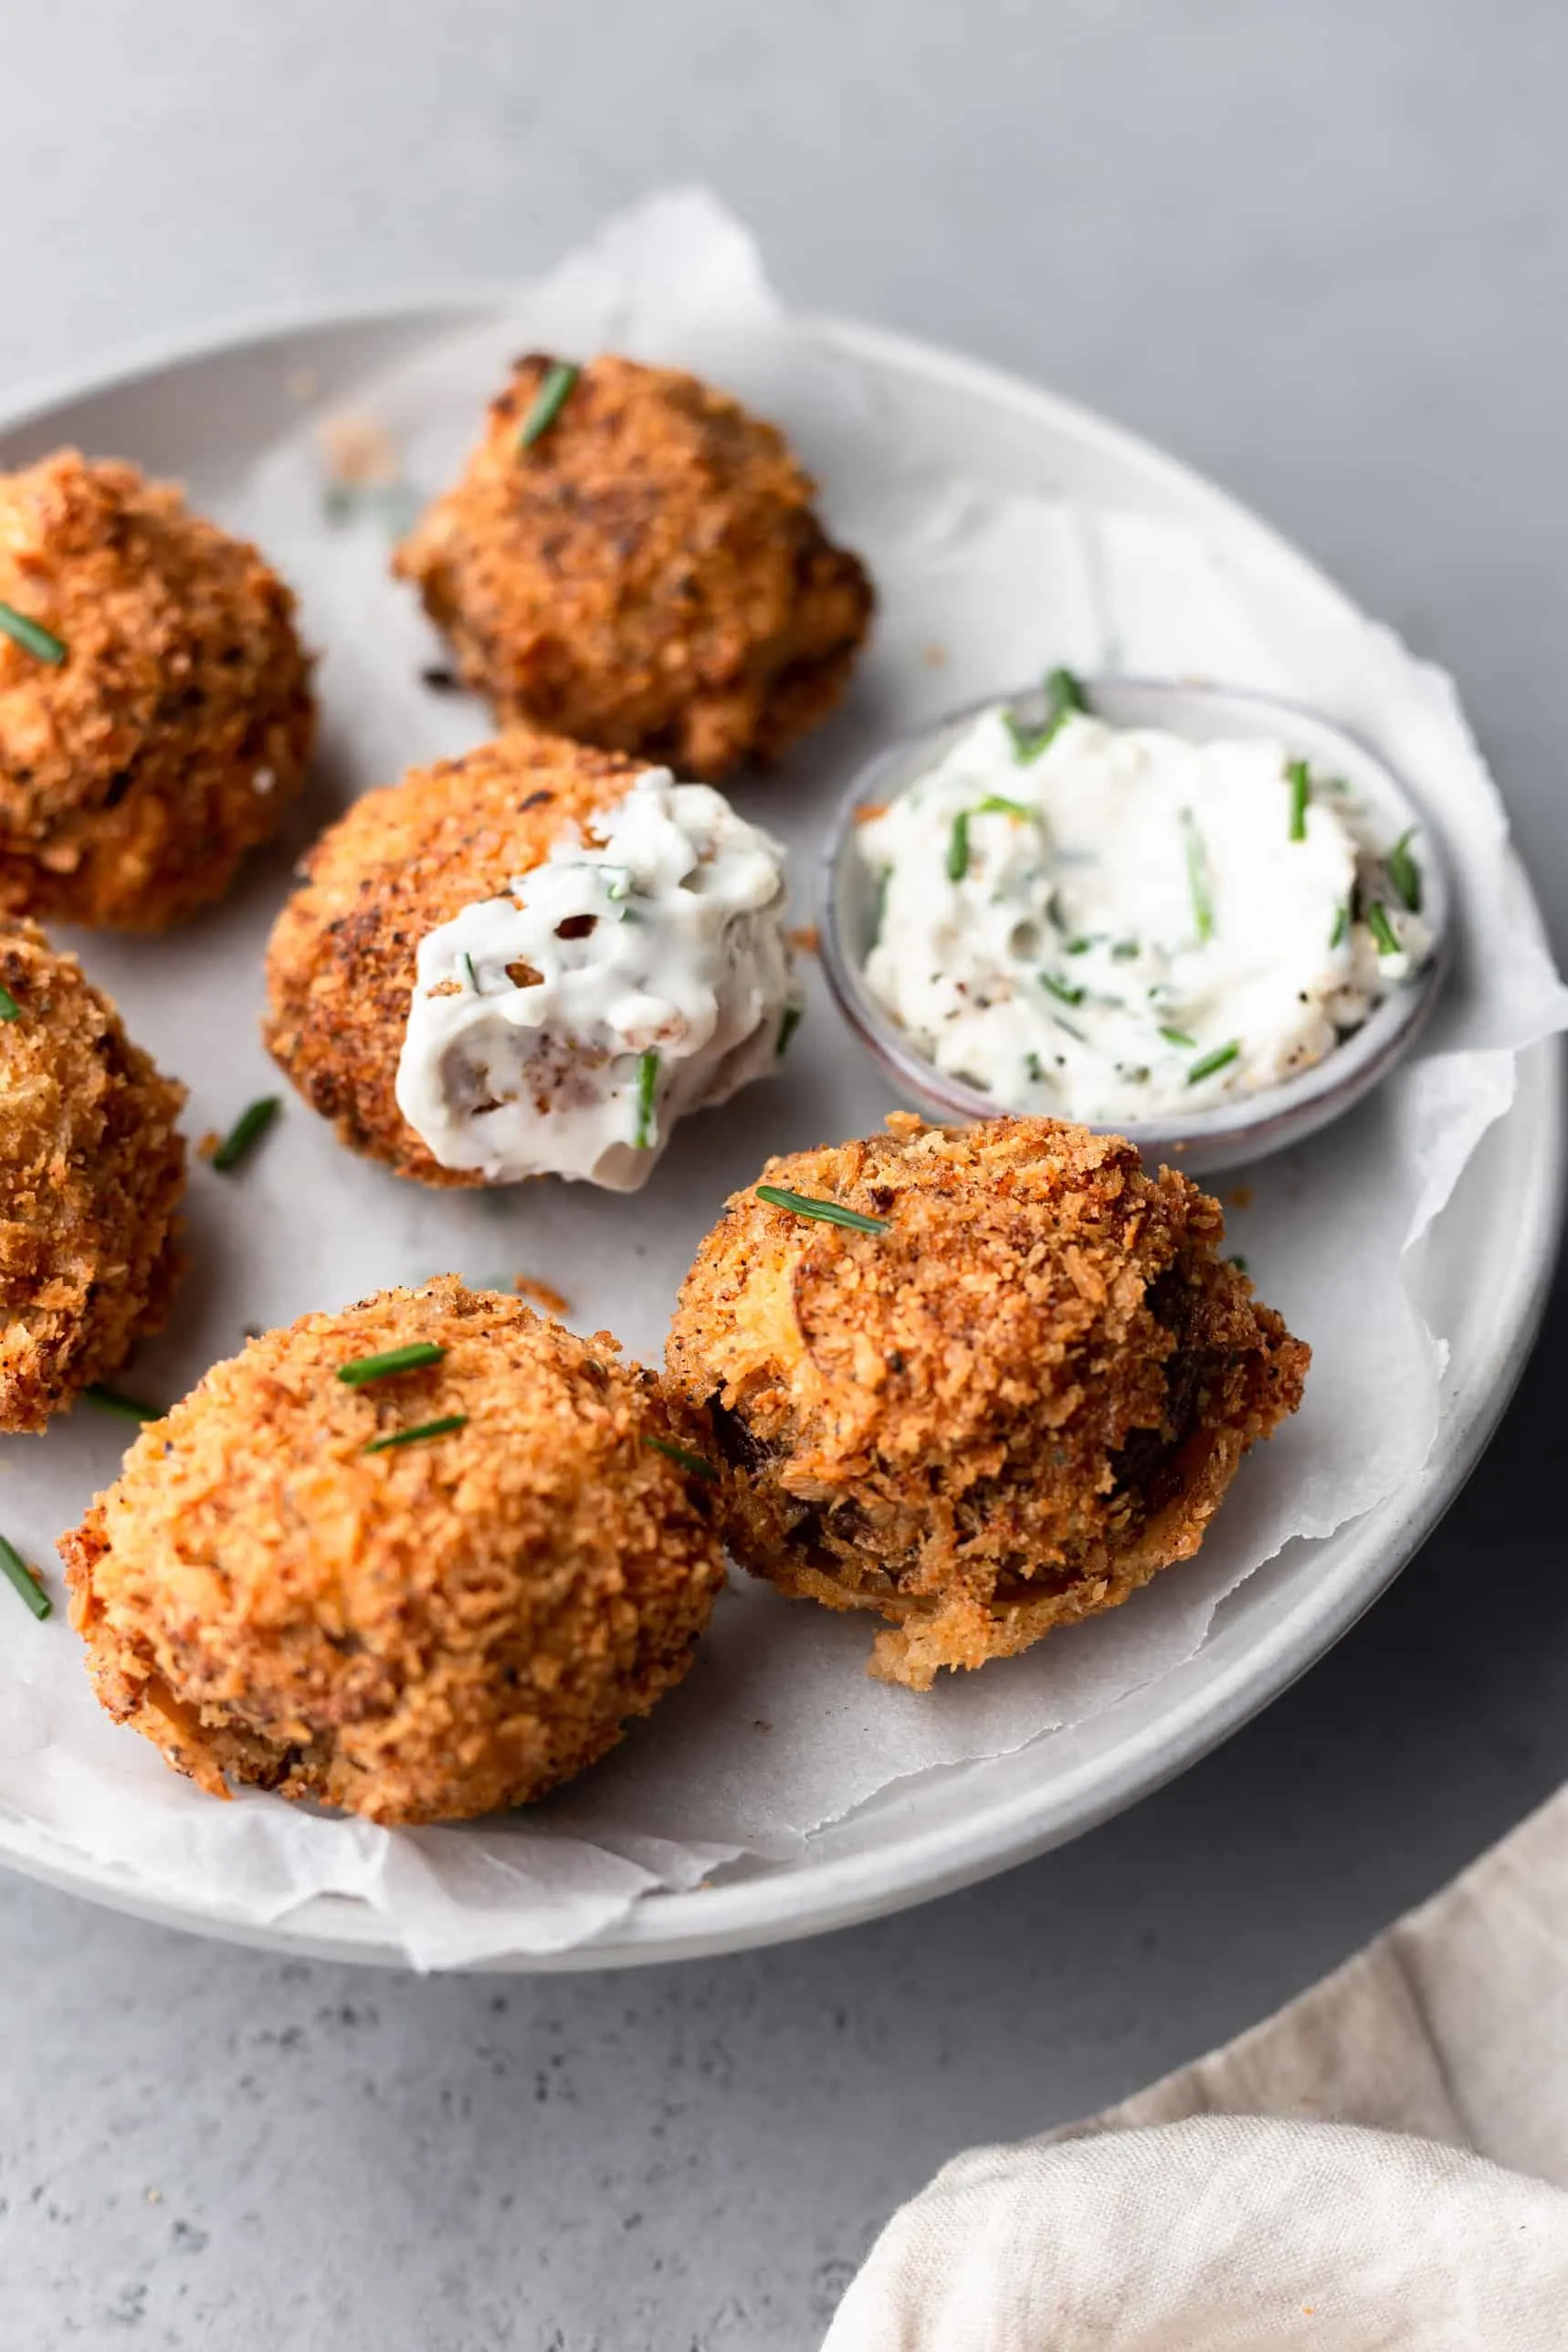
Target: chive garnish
(692, 1462)
(1239, 1263)
(1032, 1069)
(647, 1078)
(113, 1400)
(1381, 930)
(830, 1212)
(548, 402)
(1217, 1060)
(1028, 743)
(245, 1132)
(417, 1435)
(1404, 873)
(467, 963)
(793, 1017)
(996, 804)
(1125, 951)
(31, 636)
(1061, 989)
(1064, 695)
(958, 847)
(10, 1010)
(1176, 1037)
(1080, 946)
(17, 1571)
(362, 1369)
(1341, 931)
(1197, 876)
(1296, 777)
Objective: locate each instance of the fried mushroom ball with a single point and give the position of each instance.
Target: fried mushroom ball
(91, 1173)
(159, 726)
(420, 1599)
(648, 573)
(406, 858)
(1003, 1409)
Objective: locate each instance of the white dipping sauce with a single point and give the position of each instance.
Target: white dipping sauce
(1140, 930)
(562, 1029)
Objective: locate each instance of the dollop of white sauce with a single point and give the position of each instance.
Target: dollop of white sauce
(1135, 929)
(563, 1028)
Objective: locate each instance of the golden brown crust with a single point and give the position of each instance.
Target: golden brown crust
(91, 1173)
(649, 575)
(136, 775)
(1005, 1412)
(417, 1635)
(340, 965)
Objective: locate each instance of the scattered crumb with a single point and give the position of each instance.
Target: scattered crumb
(208, 1144)
(441, 681)
(543, 1294)
(934, 656)
(869, 810)
(803, 939)
(358, 452)
(154, 2195)
(302, 383)
(1240, 1197)
(760, 1726)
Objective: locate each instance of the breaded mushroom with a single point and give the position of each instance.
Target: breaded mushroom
(156, 706)
(645, 572)
(1002, 1408)
(421, 1597)
(92, 1171)
(648, 902)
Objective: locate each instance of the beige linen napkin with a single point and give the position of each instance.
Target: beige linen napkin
(1246, 2201)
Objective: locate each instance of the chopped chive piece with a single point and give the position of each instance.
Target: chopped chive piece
(1032, 1069)
(1176, 1037)
(648, 1080)
(1028, 742)
(16, 1569)
(1061, 989)
(1404, 873)
(793, 1017)
(1063, 694)
(110, 1400)
(1067, 1027)
(958, 847)
(245, 1132)
(1381, 930)
(1217, 1060)
(996, 804)
(548, 402)
(1198, 876)
(1124, 952)
(469, 968)
(692, 1462)
(416, 1436)
(362, 1369)
(879, 912)
(31, 636)
(830, 1212)
(1239, 1263)
(1341, 931)
(1080, 946)
(10, 1010)
(1296, 777)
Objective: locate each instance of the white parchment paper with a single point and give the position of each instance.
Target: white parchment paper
(981, 583)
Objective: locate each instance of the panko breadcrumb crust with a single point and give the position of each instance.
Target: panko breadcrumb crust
(419, 1635)
(341, 964)
(135, 774)
(1003, 1414)
(648, 574)
(92, 1171)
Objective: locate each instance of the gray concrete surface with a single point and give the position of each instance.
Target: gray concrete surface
(1319, 249)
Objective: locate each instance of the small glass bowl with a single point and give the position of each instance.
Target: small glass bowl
(1237, 1131)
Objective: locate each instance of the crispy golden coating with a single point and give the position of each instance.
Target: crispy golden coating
(91, 1173)
(1005, 1412)
(135, 774)
(340, 965)
(649, 574)
(421, 1634)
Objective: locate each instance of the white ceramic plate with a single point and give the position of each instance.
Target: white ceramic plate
(200, 413)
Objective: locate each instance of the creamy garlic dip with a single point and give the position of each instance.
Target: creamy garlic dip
(1113, 924)
(562, 1029)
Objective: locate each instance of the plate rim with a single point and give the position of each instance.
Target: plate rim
(750, 1912)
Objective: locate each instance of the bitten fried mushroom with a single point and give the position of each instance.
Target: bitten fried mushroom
(156, 706)
(419, 1593)
(631, 559)
(92, 1171)
(1007, 1395)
